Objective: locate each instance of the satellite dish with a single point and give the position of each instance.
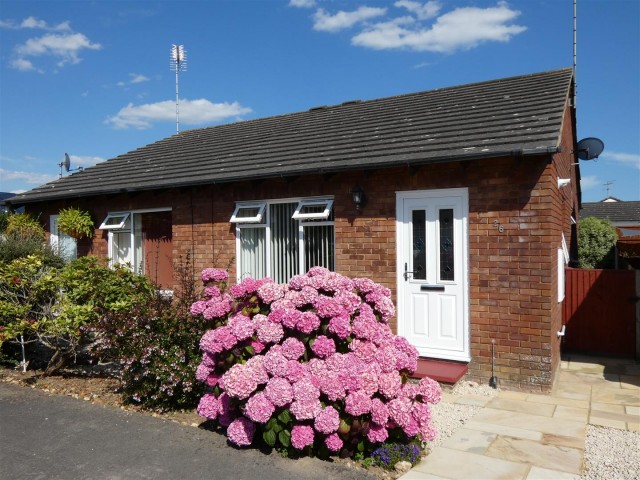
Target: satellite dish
(67, 162)
(589, 148)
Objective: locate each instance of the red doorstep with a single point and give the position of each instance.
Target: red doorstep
(440, 370)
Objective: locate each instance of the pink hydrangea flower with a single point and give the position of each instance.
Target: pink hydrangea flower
(269, 332)
(292, 348)
(400, 411)
(226, 411)
(275, 362)
(269, 292)
(305, 409)
(240, 431)
(301, 436)
(208, 406)
(357, 403)
(333, 442)
(340, 326)
(197, 308)
(327, 421)
(279, 391)
(241, 326)
(328, 307)
(308, 322)
(430, 390)
(304, 390)
(259, 408)
(379, 412)
(377, 433)
(239, 382)
(323, 346)
(214, 275)
(389, 384)
(202, 372)
(294, 370)
(212, 292)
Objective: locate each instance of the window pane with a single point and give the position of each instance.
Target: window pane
(446, 244)
(253, 259)
(319, 247)
(139, 252)
(284, 241)
(419, 245)
(121, 247)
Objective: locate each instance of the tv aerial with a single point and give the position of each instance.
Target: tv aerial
(66, 163)
(590, 148)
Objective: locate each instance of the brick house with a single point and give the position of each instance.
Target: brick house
(462, 214)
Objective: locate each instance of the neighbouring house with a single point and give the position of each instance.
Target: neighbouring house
(4, 196)
(625, 216)
(450, 198)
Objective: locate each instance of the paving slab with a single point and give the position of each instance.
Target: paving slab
(468, 440)
(571, 413)
(558, 426)
(547, 456)
(532, 408)
(539, 473)
(459, 465)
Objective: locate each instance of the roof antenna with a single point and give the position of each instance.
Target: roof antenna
(66, 163)
(607, 185)
(178, 63)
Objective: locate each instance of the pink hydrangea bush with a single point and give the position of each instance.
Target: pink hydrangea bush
(312, 365)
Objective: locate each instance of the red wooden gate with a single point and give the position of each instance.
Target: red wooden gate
(599, 311)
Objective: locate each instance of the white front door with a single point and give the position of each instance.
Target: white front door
(433, 309)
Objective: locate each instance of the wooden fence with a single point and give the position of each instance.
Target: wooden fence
(599, 312)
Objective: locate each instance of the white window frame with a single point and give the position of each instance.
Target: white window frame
(328, 205)
(265, 224)
(236, 218)
(115, 226)
(133, 261)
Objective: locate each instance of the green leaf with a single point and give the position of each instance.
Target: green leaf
(249, 349)
(361, 446)
(285, 438)
(269, 437)
(284, 416)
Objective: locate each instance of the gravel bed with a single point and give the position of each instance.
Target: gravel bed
(611, 454)
(449, 417)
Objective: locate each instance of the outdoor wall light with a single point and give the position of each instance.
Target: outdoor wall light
(359, 198)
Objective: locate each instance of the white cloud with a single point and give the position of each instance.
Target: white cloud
(461, 29)
(193, 112)
(30, 178)
(134, 78)
(628, 159)
(65, 47)
(23, 65)
(341, 20)
(422, 11)
(34, 23)
(302, 3)
(589, 182)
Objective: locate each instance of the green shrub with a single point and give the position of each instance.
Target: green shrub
(24, 225)
(156, 344)
(596, 243)
(14, 246)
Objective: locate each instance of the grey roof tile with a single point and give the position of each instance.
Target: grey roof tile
(619, 211)
(487, 119)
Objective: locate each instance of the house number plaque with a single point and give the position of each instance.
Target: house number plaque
(499, 226)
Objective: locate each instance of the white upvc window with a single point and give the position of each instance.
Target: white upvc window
(114, 221)
(293, 236)
(313, 209)
(126, 237)
(248, 213)
(63, 244)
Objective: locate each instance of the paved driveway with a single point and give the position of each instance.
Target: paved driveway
(45, 436)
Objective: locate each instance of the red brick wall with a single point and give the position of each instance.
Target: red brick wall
(512, 274)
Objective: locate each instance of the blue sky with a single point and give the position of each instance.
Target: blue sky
(92, 78)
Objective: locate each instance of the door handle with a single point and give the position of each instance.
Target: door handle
(406, 273)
